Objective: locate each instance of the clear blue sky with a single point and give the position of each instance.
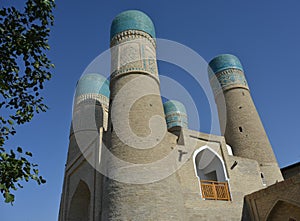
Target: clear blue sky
(263, 34)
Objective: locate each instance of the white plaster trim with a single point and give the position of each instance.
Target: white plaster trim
(229, 150)
(222, 162)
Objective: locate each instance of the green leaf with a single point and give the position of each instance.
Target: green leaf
(28, 153)
(24, 68)
(2, 186)
(9, 198)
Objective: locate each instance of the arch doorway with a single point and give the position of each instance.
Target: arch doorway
(210, 170)
(283, 210)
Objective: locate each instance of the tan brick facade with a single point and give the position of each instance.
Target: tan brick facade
(280, 201)
(123, 164)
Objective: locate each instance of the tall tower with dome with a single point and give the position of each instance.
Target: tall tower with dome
(133, 157)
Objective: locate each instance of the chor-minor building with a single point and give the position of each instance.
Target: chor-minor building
(136, 159)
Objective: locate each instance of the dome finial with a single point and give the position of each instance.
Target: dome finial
(92, 84)
(132, 20)
(223, 62)
(175, 114)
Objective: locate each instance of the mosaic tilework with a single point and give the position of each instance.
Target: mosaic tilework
(227, 79)
(175, 114)
(132, 20)
(93, 98)
(223, 62)
(92, 84)
(133, 51)
(225, 71)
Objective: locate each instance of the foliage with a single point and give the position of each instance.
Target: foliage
(24, 69)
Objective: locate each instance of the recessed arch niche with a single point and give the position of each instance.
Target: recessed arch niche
(80, 204)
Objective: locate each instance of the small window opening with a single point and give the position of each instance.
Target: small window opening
(243, 93)
(241, 129)
(263, 179)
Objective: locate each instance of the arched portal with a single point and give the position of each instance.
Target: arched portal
(284, 210)
(80, 203)
(211, 172)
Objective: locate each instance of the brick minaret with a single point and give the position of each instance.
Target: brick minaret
(239, 120)
(136, 188)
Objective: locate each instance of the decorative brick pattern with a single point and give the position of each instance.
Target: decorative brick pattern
(133, 51)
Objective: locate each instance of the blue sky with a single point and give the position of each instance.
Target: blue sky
(263, 34)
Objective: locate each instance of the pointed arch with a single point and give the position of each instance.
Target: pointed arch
(206, 161)
(80, 203)
(211, 172)
(284, 210)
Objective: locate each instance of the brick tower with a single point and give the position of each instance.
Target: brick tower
(239, 120)
(82, 183)
(138, 129)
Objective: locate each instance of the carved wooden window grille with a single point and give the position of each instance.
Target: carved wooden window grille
(214, 190)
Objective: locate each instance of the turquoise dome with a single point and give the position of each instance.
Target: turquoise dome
(92, 84)
(175, 114)
(223, 62)
(132, 20)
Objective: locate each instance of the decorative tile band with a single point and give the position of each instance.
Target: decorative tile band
(227, 79)
(223, 62)
(131, 35)
(175, 114)
(133, 51)
(104, 101)
(176, 119)
(91, 118)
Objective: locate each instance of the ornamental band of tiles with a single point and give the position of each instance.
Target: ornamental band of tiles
(111, 119)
